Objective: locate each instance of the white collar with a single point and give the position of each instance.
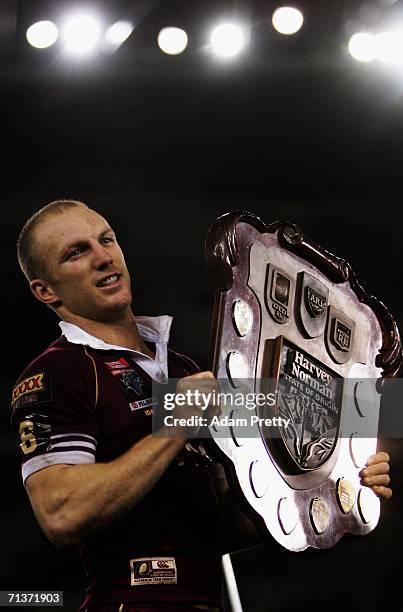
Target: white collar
(153, 329)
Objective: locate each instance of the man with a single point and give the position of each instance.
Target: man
(145, 511)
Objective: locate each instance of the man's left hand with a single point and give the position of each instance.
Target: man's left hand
(375, 475)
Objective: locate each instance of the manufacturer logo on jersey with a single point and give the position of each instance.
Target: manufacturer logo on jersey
(153, 570)
(33, 384)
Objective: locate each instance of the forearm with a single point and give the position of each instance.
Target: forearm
(84, 498)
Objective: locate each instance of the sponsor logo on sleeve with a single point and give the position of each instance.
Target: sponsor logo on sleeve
(31, 385)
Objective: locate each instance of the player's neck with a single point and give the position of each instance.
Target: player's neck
(122, 332)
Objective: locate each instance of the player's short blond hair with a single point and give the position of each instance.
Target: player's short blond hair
(31, 262)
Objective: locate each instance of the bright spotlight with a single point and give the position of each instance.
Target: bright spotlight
(172, 40)
(42, 34)
(362, 47)
(117, 33)
(227, 40)
(81, 34)
(389, 47)
(287, 20)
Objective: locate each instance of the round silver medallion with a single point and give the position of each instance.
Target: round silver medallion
(320, 515)
(345, 495)
(242, 317)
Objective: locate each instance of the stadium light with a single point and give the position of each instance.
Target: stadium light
(227, 40)
(362, 47)
(81, 34)
(389, 47)
(172, 41)
(118, 32)
(42, 34)
(287, 20)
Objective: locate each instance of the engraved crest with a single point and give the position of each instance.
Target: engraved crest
(278, 294)
(340, 335)
(313, 300)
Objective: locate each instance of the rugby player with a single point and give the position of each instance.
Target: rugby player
(149, 514)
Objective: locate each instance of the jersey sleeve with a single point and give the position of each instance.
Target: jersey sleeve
(53, 406)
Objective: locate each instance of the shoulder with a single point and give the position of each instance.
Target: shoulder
(61, 362)
(59, 355)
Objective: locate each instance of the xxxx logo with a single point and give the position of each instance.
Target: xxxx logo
(28, 385)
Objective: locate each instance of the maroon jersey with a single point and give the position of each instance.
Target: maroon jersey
(76, 404)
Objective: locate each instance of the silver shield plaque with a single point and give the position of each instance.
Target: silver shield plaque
(293, 325)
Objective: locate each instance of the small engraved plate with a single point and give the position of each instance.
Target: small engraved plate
(237, 368)
(242, 317)
(320, 514)
(340, 335)
(259, 478)
(287, 515)
(278, 294)
(368, 505)
(345, 495)
(313, 300)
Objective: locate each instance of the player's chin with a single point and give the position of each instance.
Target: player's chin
(117, 304)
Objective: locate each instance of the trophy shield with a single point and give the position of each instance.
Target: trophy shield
(293, 325)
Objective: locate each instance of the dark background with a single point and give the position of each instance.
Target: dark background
(293, 129)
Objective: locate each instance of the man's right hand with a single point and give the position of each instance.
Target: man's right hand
(201, 392)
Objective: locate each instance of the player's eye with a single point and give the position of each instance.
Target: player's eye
(75, 252)
(107, 239)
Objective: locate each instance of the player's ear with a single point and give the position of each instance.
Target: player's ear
(43, 291)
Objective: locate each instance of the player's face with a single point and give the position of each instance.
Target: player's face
(86, 267)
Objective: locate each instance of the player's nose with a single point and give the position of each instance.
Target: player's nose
(101, 256)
